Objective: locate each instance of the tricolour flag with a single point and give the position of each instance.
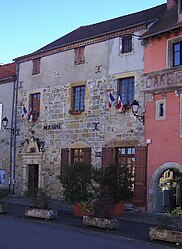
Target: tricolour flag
(111, 99)
(120, 105)
(30, 116)
(24, 112)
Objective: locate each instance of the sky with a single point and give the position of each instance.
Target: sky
(28, 25)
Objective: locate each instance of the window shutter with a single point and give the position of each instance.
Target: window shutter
(140, 175)
(36, 105)
(64, 159)
(36, 66)
(106, 156)
(87, 155)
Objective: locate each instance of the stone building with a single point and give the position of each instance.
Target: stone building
(7, 109)
(66, 87)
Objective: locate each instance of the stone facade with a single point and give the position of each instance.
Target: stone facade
(58, 127)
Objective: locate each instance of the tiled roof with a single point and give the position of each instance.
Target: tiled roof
(110, 26)
(7, 71)
(166, 23)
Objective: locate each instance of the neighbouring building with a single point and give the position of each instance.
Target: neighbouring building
(163, 95)
(8, 110)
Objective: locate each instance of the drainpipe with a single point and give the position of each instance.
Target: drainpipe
(13, 132)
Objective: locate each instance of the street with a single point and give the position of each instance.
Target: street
(33, 234)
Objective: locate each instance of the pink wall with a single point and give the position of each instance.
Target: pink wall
(166, 143)
(155, 55)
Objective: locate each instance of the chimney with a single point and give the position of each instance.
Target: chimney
(171, 3)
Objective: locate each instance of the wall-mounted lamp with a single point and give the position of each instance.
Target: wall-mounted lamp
(135, 106)
(177, 93)
(95, 128)
(5, 122)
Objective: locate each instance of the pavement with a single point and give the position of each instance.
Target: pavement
(132, 225)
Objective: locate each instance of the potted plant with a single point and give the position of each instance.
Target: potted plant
(77, 182)
(4, 192)
(40, 205)
(119, 180)
(115, 186)
(169, 227)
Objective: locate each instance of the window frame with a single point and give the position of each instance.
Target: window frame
(158, 104)
(170, 52)
(79, 55)
(125, 93)
(35, 111)
(79, 157)
(36, 66)
(80, 102)
(126, 44)
(126, 156)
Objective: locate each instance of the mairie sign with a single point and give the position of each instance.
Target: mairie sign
(52, 126)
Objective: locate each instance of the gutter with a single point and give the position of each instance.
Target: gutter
(162, 31)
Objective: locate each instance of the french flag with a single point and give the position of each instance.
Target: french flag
(111, 99)
(120, 105)
(24, 112)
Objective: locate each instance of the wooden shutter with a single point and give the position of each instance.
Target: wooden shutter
(64, 159)
(140, 175)
(106, 156)
(87, 155)
(36, 66)
(79, 55)
(36, 105)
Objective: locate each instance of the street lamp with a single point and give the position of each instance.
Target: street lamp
(14, 131)
(135, 106)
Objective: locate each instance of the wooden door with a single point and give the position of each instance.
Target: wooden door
(33, 177)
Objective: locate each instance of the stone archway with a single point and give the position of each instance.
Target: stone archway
(154, 182)
(30, 165)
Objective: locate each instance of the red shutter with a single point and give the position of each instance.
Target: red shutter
(140, 175)
(106, 157)
(64, 159)
(87, 155)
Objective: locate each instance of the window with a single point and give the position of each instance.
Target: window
(81, 155)
(160, 109)
(126, 44)
(2, 176)
(177, 53)
(36, 66)
(180, 6)
(77, 155)
(1, 114)
(126, 90)
(78, 101)
(35, 106)
(126, 156)
(79, 55)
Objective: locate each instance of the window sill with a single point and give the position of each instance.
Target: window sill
(75, 112)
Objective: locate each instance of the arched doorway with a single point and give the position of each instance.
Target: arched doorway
(162, 197)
